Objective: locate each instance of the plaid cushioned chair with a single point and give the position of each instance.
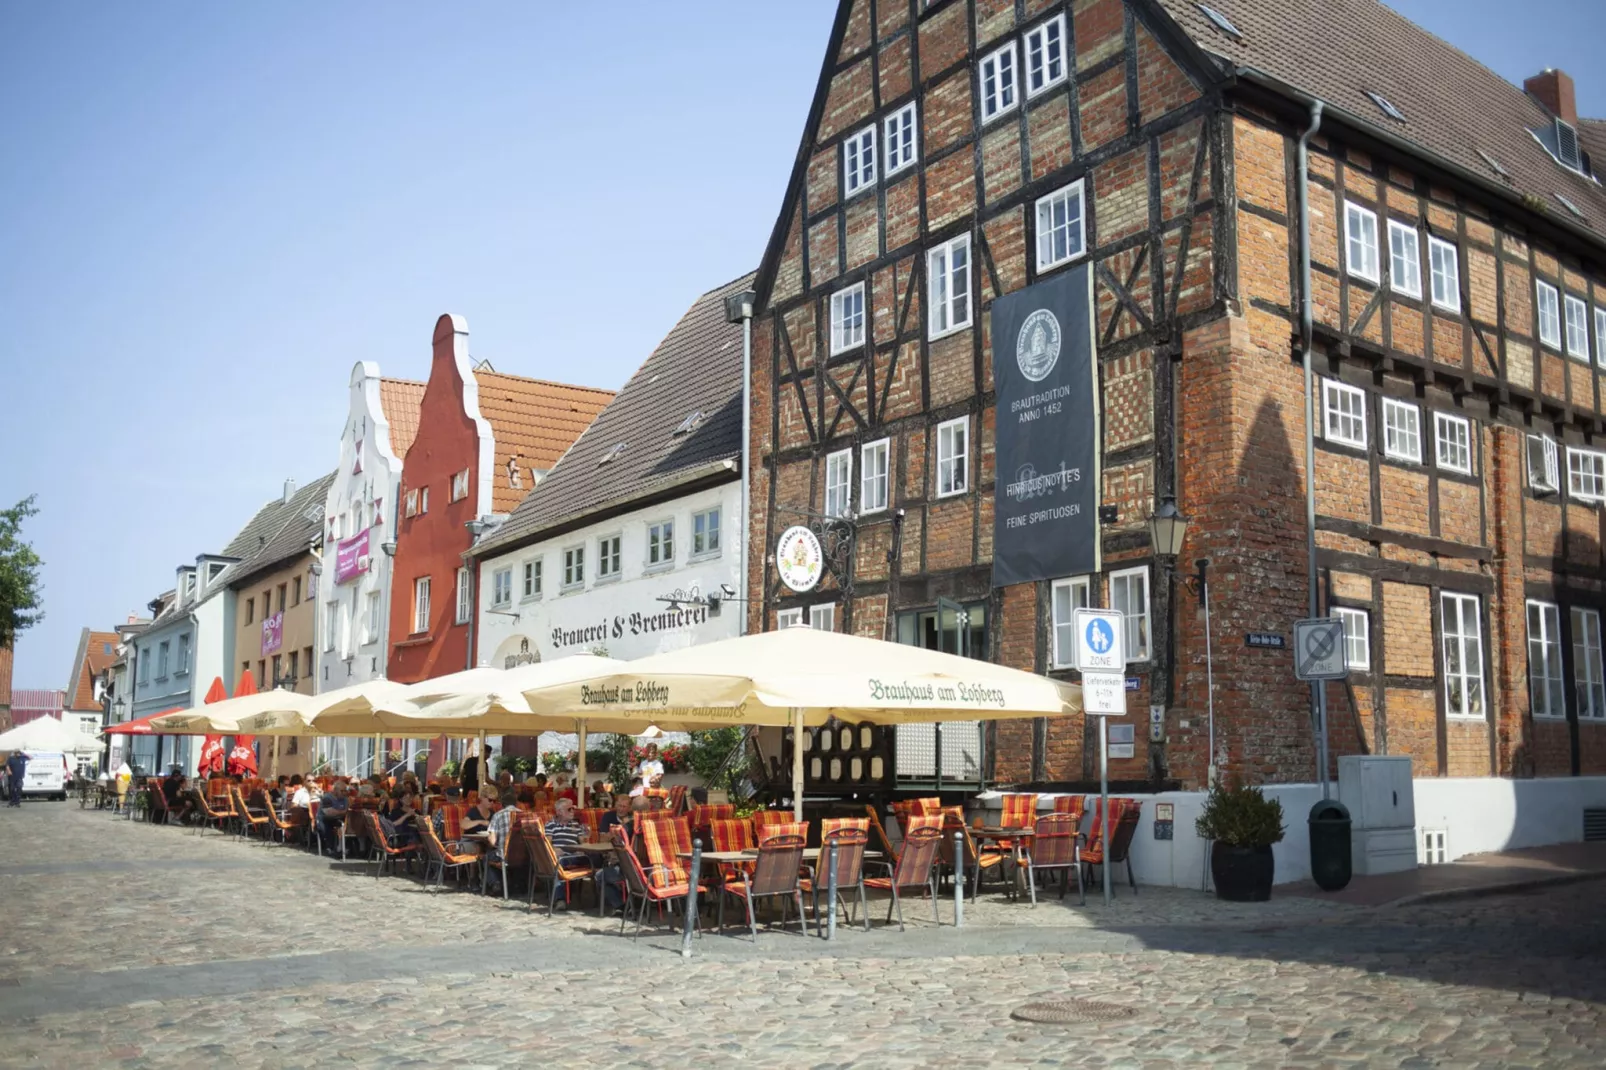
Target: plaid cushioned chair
(452, 822)
(782, 828)
(878, 833)
(640, 889)
(1052, 846)
(544, 865)
(1020, 811)
(677, 799)
(591, 817)
(912, 867)
(1124, 816)
(665, 841)
(1075, 805)
(515, 854)
(775, 873)
(383, 850)
(703, 815)
(762, 819)
(976, 859)
(657, 797)
(851, 838)
(440, 858)
(292, 821)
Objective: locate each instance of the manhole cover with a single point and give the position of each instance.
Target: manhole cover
(1071, 1010)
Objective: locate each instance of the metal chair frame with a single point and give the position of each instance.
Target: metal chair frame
(1053, 847)
(850, 845)
(914, 866)
(776, 874)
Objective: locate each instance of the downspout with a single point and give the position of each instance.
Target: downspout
(1318, 690)
(747, 468)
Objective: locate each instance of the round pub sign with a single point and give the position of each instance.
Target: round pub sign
(799, 559)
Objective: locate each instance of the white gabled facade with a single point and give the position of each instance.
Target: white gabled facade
(359, 518)
(623, 613)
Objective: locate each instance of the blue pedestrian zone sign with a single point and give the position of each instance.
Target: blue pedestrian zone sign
(1098, 641)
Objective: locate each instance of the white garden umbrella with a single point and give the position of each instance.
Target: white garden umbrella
(45, 734)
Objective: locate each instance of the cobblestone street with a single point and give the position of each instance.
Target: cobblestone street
(135, 946)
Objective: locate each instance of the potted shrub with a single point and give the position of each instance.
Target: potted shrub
(1243, 824)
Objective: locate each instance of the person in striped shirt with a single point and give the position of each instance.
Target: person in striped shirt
(566, 833)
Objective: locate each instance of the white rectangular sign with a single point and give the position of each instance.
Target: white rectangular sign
(1103, 693)
(1099, 646)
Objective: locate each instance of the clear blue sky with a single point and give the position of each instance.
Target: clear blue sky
(209, 211)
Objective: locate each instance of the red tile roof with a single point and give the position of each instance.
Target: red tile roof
(400, 398)
(100, 652)
(534, 422)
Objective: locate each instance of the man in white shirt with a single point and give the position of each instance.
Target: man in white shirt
(299, 795)
(652, 769)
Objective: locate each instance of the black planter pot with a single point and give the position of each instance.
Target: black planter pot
(1242, 874)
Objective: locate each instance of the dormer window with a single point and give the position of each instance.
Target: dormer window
(1560, 139)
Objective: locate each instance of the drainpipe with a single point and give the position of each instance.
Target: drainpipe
(739, 306)
(1318, 690)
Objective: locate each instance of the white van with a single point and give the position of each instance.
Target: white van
(46, 775)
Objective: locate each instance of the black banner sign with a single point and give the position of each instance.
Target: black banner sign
(1046, 501)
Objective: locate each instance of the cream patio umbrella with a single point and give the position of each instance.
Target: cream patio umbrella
(801, 677)
(264, 713)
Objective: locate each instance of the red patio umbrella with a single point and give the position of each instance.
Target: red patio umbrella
(212, 747)
(242, 756)
(140, 726)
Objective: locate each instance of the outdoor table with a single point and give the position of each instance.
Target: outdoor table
(810, 854)
(598, 848)
(1014, 838)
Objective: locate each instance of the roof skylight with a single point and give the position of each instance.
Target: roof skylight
(689, 424)
(1385, 106)
(1494, 165)
(613, 453)
(1570, 206)
(1223, 23)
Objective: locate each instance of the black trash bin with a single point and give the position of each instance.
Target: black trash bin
(1329, 845)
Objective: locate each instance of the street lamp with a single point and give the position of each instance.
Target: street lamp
(1167, 528)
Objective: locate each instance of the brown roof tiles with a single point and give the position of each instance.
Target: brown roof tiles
(533, 422)
(400, 398)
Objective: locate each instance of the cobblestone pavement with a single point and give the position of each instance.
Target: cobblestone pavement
(125, 945)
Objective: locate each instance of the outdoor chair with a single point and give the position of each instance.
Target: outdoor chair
(775, 874)
(544, 865)
(591, 818)
(439, 858)
(383, 851)
(677, 799)
(664, 842)
(850, 844)
(913, 867)
(250, 818)
(1019, 812)
(157, 814)
(878, 832)
(1075, 805)
(515, 855)
(703, 814)
(216, 809)
(1124, 817)
(1052, 847)
(294, 820)
(783, 828)
(732, 834)
(969, 868)
(762, 819)
(641, 893)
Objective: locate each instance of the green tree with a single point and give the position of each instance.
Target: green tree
(19, 574)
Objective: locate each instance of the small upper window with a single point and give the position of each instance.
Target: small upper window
(998, 92)
(532, 578)
(1357, 648)
(1402, 430)
(1549, 306)
(873, 476)
(1387, 107)
(608, 557)
(1345, 409)
(661, 543)
(1060, 234)
(502, 587)
(1452, 439)
(574, 566)
(1542, 467)
(705, 532)
(847, 319)
(460, 486)
(900, 129)
(1405, 259)
(948, 286)
(1360, 234)
(1443, 260)
(1600, 337)
(1067, 597)
(858, 161)
(412, 510)
(1586, 474)
(1494, 165)
(953, 457)
(1045, 56)
(1576, 316)
(838, 482)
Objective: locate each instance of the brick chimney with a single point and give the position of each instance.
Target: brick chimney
(1554, 89)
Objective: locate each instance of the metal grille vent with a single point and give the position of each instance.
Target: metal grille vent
(1595, 824)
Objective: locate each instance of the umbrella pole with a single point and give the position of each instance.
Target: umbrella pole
(485, 767)
(273, 762)
(376, 767)
(580, 727)
(797, 763)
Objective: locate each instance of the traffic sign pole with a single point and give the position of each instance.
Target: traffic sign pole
(1104, 802)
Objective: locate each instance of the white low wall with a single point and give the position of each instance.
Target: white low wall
(1479, 814)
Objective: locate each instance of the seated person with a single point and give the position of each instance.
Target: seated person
(397, 815)
(619, 817)
(172, 785)
(276, 793)
(478, 817)
(637, 788)
(599, 796)
(566, 833)
(501, 829)
(299, 795)
(565, 790)
(524, 798)
(332, 813)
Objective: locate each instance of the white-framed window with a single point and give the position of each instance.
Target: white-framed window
(1067, 597)
(873, 458)
(1357, 637)
(901, 139)
(1588, 681)
(370, 618)
(788, 618)
(1402, 430)
(1443, 261)
(1586, 474)
(661, 543)
(465, 595)
(1576, 316)
(1045, 56)
(1545, 694)
(858, 161)
(574, 566)
(502, 587)
(532, 578)
(838, 482)
(1344, 413)
(420, 609)
(1360, 241)
(1463, 655)
(1600, 337)
(345, 635)
(1549, 312)
(847, 319)
(460, 485)
(948, 286)
(705, 532)
(998, 91)
(331, 625)
(1129, 596)
(1543, 472)
(183, 666)
(608, 557)
(423, 501)
(822, 618)
(953, 457)
(1405, 259)
(412, 510)
(1452, 442)
(1061, 236)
